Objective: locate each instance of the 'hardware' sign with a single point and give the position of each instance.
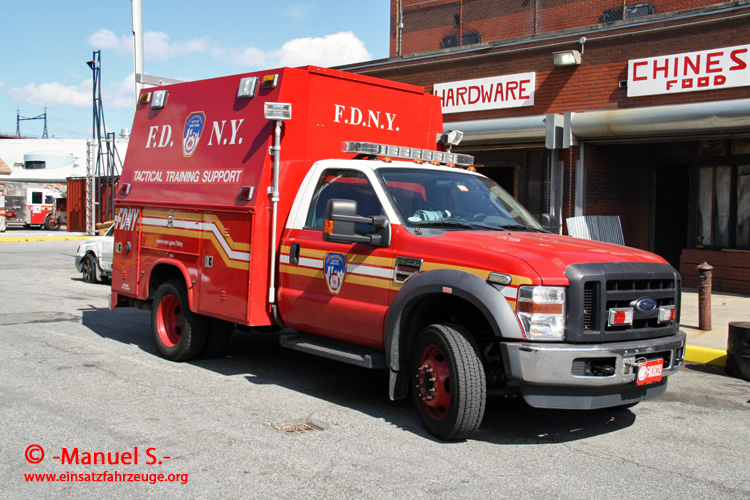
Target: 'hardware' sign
(689, 72)
(496, 92)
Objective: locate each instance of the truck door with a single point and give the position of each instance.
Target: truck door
(336, 289)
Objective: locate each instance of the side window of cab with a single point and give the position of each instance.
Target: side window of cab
(344, 185)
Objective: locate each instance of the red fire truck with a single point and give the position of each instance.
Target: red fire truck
(330, 206)
(29, 204)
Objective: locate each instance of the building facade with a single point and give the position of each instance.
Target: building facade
(635, 109)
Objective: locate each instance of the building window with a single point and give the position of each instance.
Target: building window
(724, 206)
(743, 206)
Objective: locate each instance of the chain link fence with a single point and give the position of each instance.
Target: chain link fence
(426, 25)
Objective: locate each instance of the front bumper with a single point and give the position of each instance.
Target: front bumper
(589, 375)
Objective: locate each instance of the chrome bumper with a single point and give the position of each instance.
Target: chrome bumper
(555, 375)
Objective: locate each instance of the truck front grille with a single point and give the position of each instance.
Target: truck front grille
(596, 288)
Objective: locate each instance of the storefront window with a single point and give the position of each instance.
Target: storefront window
(743, 206)
(721, 188)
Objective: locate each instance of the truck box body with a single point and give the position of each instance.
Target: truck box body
(187, 162)
(321, 223)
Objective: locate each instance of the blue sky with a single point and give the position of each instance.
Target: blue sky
(46, 44)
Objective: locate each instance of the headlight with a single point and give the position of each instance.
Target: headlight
(541, 310)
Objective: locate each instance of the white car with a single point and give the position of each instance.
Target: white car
(94, 257)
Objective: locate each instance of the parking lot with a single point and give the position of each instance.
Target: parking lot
(80, 382)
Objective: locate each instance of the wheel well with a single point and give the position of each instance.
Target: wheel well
(444, 308)
(161, 274)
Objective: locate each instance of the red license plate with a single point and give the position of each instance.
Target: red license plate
(650, 371)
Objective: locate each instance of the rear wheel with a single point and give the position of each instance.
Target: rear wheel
(178, 333)
(450, 389)
(217, 338)
(89, 270)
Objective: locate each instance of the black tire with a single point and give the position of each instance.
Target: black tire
(217, 338)
(50, 223)
(179, 334)
(450, 390)
(89, 270)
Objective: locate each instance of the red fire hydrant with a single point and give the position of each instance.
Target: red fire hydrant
(704, 296)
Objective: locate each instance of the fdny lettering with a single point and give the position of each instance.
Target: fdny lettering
(164, 137)
(217, 131)
(127, 218)
(369, 118)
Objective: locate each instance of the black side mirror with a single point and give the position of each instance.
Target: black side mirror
(341, 222)
(549, 222)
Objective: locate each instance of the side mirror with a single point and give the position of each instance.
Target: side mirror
(549, 222)
(341, 221)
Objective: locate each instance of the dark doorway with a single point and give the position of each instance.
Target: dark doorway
(504, 175)
(671, 211)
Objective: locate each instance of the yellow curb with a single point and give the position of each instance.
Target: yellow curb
(45, 238)
(705, 355)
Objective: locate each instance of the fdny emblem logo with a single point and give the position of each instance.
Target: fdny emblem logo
(335, 270)
(192, 133)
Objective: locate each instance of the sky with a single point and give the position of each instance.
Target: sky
(47, 43)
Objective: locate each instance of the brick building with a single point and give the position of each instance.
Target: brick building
(649, 120)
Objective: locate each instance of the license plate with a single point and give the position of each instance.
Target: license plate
(650, 371)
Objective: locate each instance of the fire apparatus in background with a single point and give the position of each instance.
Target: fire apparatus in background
(30, 204)
(3, 192)
(329, 204)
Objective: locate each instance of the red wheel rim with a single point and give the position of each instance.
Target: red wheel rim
(170, 320)
(434, 382)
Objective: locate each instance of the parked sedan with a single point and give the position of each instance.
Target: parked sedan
(94, 257)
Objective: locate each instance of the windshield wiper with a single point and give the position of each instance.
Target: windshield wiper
(522, 227)
(443, 223)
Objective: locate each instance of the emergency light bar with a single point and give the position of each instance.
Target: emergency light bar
(404, 153)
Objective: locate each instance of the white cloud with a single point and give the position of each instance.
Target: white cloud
(120, 95)
(106, 39)
(54, 94)
(115, 96)
(157, 46)
(298, 10)
(330, 50)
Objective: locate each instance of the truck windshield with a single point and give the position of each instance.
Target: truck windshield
(454, 200)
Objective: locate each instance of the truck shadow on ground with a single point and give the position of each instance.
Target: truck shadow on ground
(262, 361)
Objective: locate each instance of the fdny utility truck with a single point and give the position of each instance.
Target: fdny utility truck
(330, 206)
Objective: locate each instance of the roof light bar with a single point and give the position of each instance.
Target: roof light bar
(405, 153)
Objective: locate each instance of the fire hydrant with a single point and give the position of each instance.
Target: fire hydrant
(704, 296)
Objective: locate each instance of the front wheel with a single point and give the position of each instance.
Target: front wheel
(50, 223)
(88, 269)
(450, 389)
(178, 333)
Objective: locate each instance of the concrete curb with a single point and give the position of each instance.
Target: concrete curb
(705, 356)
